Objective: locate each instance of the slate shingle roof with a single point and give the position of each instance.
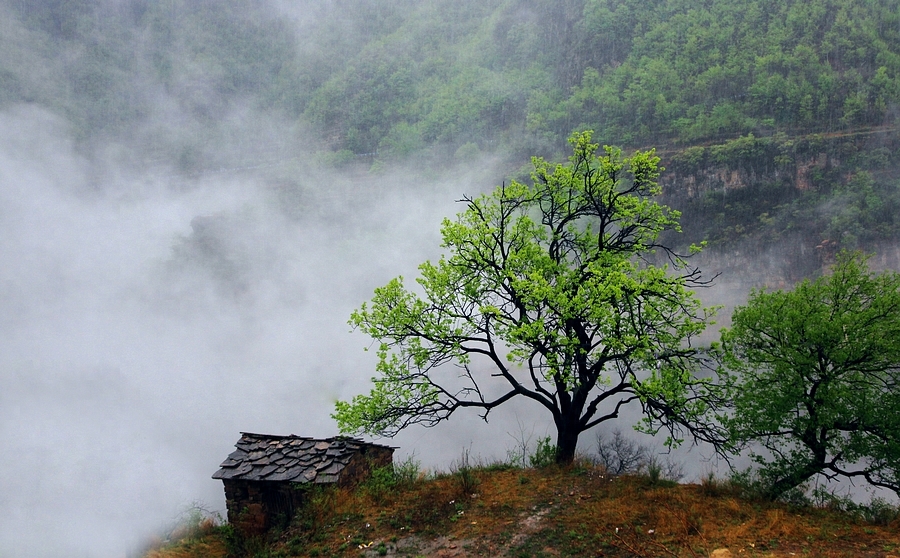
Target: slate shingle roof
(261, 457)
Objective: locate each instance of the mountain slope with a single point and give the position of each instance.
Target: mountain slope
(552, 512)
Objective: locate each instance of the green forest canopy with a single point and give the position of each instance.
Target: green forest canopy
(639, 72)
(396, 76)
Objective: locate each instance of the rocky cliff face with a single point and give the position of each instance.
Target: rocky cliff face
(722, 177)
(776, 209)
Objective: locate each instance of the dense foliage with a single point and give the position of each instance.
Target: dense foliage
(545, 293)
(637, 72)
(696, 70)
(392, 77)
(813, 377)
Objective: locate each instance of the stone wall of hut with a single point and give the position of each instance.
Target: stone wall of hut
(256, 506)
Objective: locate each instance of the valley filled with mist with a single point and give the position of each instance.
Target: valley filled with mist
(195, 195)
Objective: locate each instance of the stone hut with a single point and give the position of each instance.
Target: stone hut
(266, 476)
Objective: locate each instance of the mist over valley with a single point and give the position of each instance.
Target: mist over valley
(194, 197)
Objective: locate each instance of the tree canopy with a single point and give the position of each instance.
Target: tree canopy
(547, 291)
(813, 375)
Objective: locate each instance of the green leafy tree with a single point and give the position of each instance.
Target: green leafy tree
(813, 375)
(546, 292)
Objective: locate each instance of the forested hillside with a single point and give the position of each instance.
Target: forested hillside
(637, 72)
(780, 115)
(383, 76)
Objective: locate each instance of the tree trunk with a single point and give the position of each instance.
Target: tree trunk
(798, 473)
(566, 442)
(793, 479)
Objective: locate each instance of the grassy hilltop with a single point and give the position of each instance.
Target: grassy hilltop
(501, 510)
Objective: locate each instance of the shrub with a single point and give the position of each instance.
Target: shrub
(464, 473)
(878, 511)
(383, 480)
(380, 483)
(663, 472)
(713, 486)
(544, 454)
(620, 455)
(407, 472)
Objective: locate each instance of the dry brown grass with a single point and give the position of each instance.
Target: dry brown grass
(561, 512)
(210, 547)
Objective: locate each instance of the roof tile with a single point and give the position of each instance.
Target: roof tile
(262, 457)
